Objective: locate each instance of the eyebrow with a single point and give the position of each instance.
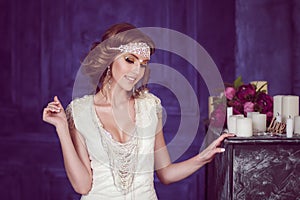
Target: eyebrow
(138, 58)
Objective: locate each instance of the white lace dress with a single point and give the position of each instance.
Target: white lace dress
(120, 170)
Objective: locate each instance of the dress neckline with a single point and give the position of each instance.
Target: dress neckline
(100, 125)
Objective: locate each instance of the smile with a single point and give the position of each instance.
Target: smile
(130, 78)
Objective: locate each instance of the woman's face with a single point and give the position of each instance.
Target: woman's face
(128, 69)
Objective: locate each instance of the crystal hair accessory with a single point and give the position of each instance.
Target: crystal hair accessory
(139, 48)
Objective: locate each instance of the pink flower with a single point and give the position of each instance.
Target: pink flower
(242, 98)
(229, 93)
(246, 93)
(236, 105)
(248, 107)
(264, 103)
(218, 116)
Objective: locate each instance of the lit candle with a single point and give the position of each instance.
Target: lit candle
(278, 118)
(259, 123)
(290, 107)
(289, 127)
(297, 125)
(244, 127)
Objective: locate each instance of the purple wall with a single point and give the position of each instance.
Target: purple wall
(43, 42)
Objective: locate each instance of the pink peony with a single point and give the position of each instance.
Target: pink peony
(264, 103)
(248, 107)
(229, 93)
(246, 93)
(236, 105)
(243, 98)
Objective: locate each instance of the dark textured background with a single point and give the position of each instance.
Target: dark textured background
(42, 42)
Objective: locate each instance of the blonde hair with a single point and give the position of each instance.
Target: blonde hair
(101, 55)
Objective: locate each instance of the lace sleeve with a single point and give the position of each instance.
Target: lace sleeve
(157, 103)
(158, 107)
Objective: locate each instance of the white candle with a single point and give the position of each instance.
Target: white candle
(261, 84)
(249, 114)
(232, 123)
(297, 125)
(259, 123)
(290, 107)
(277, 105)
(244, 127)
(289, 127)
(278, 118)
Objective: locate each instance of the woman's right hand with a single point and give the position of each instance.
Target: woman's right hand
(54, 113)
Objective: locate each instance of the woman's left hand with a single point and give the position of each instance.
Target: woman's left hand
(208, 154)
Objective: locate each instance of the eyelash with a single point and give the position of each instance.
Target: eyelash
(127, 59)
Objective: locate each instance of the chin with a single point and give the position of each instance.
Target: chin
(128, 88)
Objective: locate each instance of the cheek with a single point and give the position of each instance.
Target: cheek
(142, 72)
(118, 71)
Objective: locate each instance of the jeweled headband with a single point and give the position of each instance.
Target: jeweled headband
(139, 48)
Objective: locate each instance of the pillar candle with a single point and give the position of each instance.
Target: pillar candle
(297, 125)
(289, 127)
(259, 123)
(277, 105)
(290, 107)
(259, 84)
(244, 127)
(231, 125)
(229, 113)
(249, 114)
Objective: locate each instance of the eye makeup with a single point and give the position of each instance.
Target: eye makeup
(132, 59)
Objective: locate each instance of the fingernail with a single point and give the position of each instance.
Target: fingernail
(222, 149)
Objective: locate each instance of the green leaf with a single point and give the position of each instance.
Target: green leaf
(238, 82)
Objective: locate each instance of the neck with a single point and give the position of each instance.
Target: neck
(115, 95)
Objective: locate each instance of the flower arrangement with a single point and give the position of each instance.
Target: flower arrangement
(242, 98)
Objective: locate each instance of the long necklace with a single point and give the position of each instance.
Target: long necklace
(122, 157)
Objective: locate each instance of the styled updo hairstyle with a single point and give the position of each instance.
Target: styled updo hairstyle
(101, 56)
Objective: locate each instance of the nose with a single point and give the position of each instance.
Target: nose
(136, 69)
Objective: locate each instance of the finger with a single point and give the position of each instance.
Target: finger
(220, 139)
(218, 150)
(51, 110)
(56, 99)
(225, 135)
(54, 107)
(53, 103)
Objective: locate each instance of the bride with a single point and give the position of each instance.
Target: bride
(112, 140)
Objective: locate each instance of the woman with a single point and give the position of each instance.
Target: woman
(112, 140)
